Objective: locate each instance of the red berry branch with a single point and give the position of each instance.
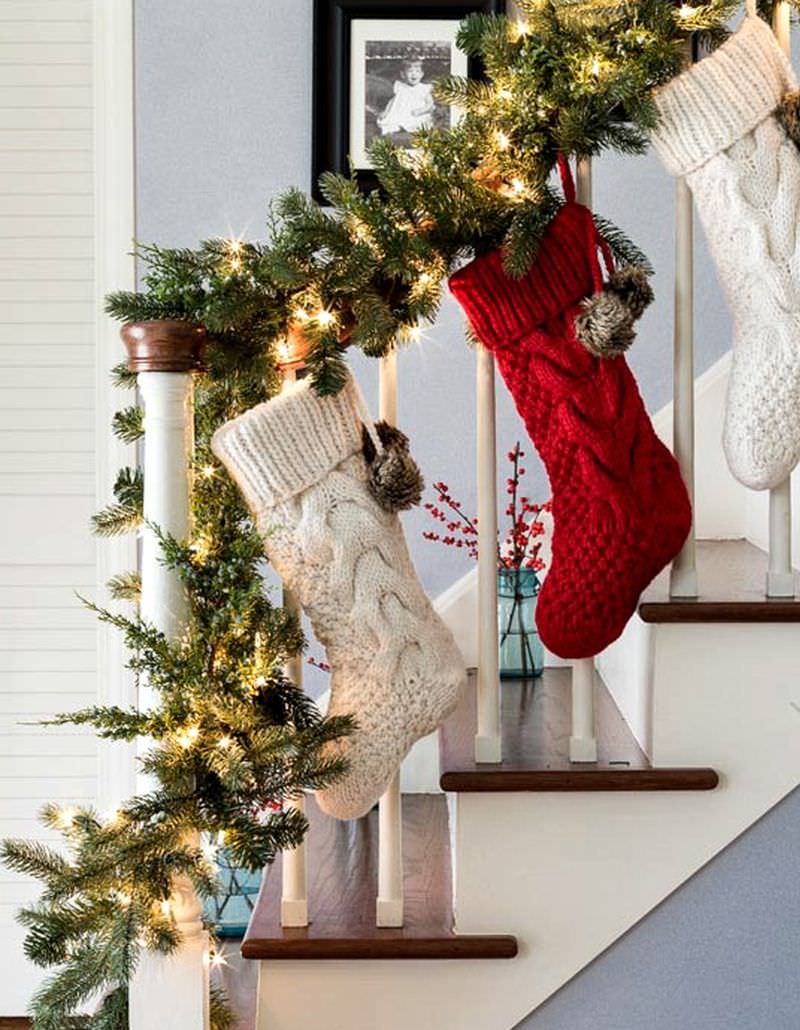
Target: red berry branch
(521, 546)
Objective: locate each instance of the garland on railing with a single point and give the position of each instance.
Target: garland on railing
(230, 732)
(575, 77)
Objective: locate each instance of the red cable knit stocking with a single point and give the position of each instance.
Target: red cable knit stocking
(620, 508)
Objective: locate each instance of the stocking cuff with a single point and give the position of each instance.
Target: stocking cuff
(282, 447)
(501, 309)
(721, 98)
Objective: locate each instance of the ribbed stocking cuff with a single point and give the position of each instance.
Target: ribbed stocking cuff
(501, 309)
(284, 446)
(721, 98)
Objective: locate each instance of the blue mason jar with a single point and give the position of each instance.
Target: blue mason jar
(230, 911)
(521, 651)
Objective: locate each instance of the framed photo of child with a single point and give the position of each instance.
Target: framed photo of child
(375, 63)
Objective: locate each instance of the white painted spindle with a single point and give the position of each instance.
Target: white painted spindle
(488, 746)
(683, 575)
(583, 739)
(389, 903)
(294, 877)
(179, 983)
(780, 577)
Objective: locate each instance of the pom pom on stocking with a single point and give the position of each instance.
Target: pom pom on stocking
(605, 325)
(395, 480)
(789, 115)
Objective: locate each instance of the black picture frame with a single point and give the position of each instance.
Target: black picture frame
(332, 73)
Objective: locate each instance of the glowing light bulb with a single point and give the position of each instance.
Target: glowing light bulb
(517, 187)
(521, 28)
(218, 960)
(425, 279)
(166, 908)
(208, 472)
(224, 743)
(300, 315)
(188, 736)
(124, 899)
(325, 317)
(503, 142)
(505, 94)
(414, 333)
(596, 67)
(686, 11)
(65, 819)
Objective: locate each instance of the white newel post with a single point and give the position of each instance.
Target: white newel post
(164, 354)
(294, 876)
(389, 903)
(780, 577)
(683, 574)
(488, 743)
(583, 739)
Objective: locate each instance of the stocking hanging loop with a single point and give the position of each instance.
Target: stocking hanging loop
(750, 9)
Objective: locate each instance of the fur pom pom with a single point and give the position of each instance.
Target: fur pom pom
(789, 115)
(395, 480)
(605, 325)
(631, 284)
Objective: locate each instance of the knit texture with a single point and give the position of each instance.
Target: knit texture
(745, 177)
(620, 508)
(395, 666)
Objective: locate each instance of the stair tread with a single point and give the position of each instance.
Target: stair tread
(535, 734)
(342, 864)
(731, 579)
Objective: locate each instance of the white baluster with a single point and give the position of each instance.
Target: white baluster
(583, 740)
(683, 575)
(294, 876)
(780, 577)
(389, 903)
(179, 983)
(488, 744)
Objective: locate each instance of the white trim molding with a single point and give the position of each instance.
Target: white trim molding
(115, 227)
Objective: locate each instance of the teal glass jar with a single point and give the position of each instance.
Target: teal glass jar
(230, 910)
(521, 651)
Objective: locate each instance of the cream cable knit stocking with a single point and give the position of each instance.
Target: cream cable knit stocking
(718, 128)
(396, 668)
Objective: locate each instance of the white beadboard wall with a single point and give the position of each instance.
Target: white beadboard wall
(48, 644)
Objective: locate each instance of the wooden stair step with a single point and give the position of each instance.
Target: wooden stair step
(342, 863)
(535, 733)
(732, 577)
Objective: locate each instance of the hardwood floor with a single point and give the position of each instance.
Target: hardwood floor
(536, 729)
(343, 869)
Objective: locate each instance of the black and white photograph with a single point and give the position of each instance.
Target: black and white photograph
(375, 66)
(392, 82)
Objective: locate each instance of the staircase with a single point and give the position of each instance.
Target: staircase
(562, 857)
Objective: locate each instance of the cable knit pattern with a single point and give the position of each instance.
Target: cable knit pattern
(745, 177)
(396, 667)
(620, 508)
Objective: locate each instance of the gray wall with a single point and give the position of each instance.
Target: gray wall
(223, 124)
(723, 953)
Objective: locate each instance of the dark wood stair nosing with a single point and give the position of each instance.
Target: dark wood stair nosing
(535, 733)
(578, 780)
(690, 611)
(452, 946)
